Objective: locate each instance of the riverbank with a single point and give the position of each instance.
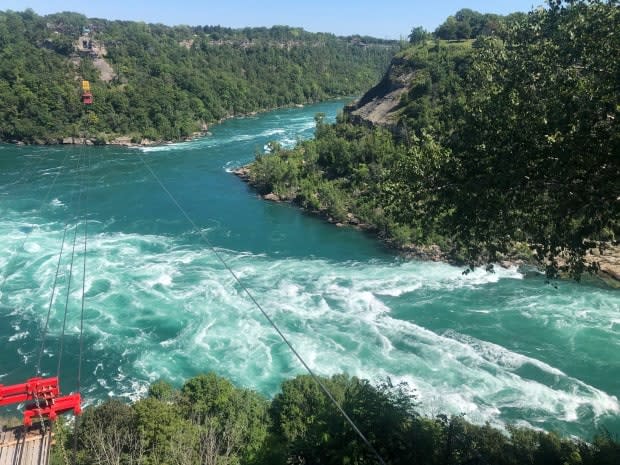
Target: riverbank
(134, 141)
(158, 301)
(607, 258)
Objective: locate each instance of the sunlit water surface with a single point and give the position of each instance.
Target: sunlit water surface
(497, 347)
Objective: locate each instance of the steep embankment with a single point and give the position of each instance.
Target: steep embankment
(451, 153)
(379, 106)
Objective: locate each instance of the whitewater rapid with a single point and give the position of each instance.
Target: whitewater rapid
(498, 347)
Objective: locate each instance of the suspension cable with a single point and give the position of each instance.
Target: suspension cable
(49, 308)
(51, 302)
(81, 337)
(316, 379)
(64, 322)
(76, 426)
(81, 343)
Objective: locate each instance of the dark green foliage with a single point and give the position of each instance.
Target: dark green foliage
(237, 417)
(169, 80)
(303, 427)
(418, 35)
(380, 177)
(536, 150)
(469, 24)
(500, 144)
(108, 433)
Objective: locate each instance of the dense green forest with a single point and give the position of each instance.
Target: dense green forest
(502, 146)
(164, 83)
(469, 24)
(210, 421)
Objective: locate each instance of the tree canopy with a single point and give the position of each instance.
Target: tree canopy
(470, 24)
(165, 82)
(504, 146)
(300, 425)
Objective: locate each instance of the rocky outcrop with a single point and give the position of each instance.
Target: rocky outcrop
(77, 141)
(243, 172)
(272, 197)
(379, 106)
(608, 264)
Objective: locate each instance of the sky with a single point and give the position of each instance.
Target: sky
(390, 19)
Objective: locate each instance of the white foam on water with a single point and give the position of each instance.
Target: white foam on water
(18, 336)
(158, 306)
(230, 166)
(32, 247)
(273, 132)
(170, 147)
(499, 355)
(301, 127)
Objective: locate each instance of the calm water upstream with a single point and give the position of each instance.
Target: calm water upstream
(496, 347)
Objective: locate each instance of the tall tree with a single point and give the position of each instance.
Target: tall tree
(536, 156)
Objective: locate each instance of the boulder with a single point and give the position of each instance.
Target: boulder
(272, 197)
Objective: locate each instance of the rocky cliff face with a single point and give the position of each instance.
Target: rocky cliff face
(379, 106)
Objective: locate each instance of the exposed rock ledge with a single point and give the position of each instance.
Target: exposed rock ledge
(378, 107)
(609, 264)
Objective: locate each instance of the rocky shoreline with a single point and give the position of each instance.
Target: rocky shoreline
(411, 251)
(609, 262)
(123, 141)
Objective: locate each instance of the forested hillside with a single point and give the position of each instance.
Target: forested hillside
(162, 83)
(502, 146)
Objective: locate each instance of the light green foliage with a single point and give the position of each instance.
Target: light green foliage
(157, 423)
(418, 35)
(162, 391)
(237, 418)
(211, 422)
(108, 434)
(469, 24)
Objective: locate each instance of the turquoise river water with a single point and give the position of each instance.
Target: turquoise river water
(498, 347)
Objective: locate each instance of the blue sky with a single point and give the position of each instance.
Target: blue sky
(386, 19)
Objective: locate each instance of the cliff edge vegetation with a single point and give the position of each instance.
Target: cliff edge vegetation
(502, 146)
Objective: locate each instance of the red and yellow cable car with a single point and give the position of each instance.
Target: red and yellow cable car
(87, 97)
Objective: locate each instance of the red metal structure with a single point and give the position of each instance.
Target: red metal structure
(87, 96)
(45, 394)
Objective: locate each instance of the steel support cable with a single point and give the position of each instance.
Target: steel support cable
(49, 308)
(81, 343)
(76, 427)
(75, 230)
(51, 302)
(316, 379)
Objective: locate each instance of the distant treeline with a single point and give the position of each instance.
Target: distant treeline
(505, 146)
(210, 421)
(165, 82)
(467, 24)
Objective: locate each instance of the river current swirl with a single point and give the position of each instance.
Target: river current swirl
(498, 347)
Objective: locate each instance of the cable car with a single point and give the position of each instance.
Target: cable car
(87, 97)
